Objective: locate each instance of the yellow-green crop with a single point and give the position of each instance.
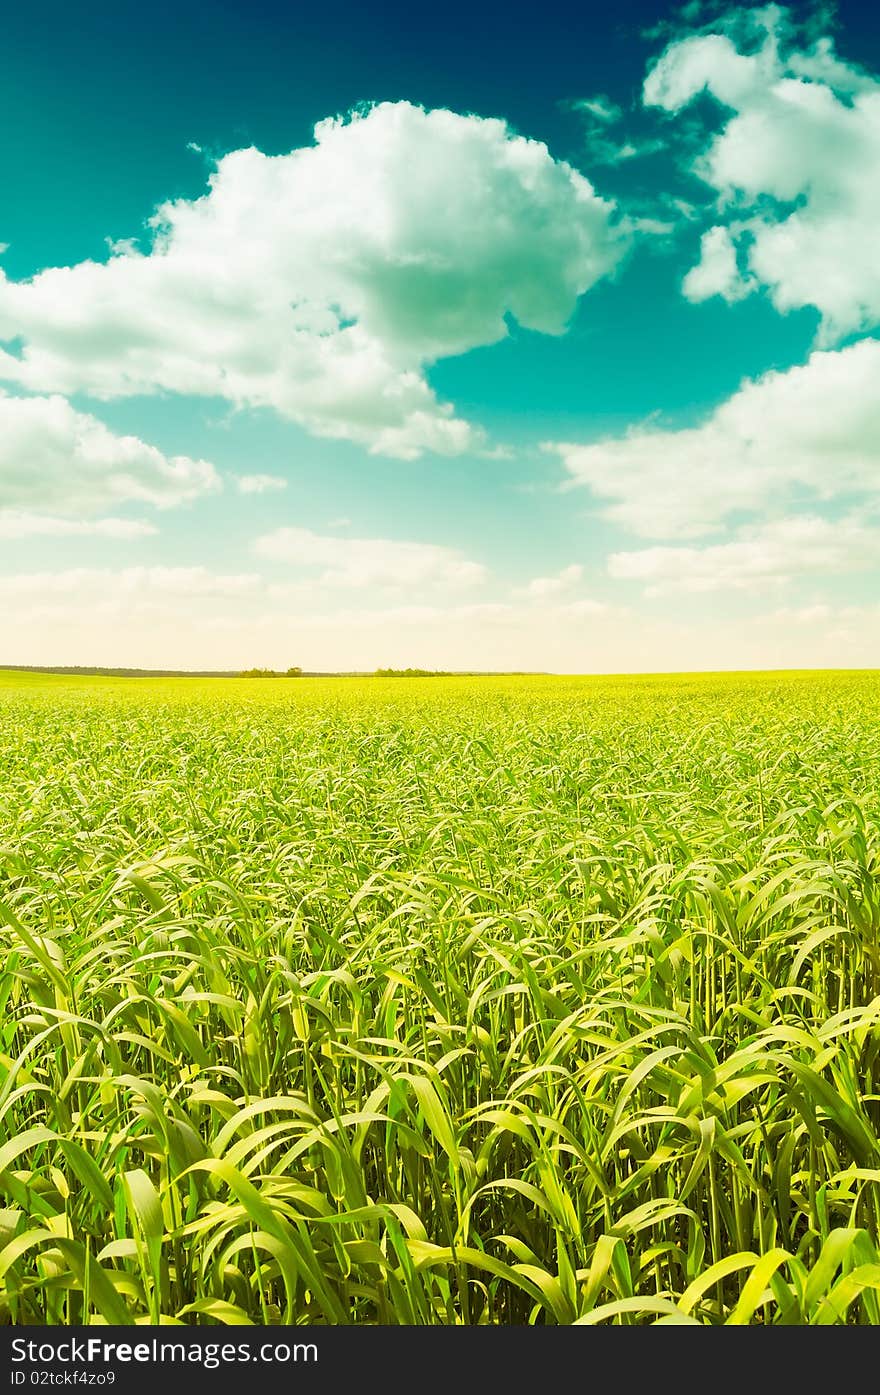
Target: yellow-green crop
(440, 1000)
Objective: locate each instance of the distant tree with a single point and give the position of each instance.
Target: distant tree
(270, 673)
(412, 673)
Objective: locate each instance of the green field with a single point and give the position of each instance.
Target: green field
(486, 1000)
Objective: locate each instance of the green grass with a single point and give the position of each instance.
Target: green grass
(463, 1001)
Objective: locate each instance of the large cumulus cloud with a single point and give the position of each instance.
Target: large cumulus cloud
(325, 282)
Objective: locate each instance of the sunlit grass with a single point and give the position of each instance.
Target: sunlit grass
(440, 1001)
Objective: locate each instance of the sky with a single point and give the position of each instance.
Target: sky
(463, 338)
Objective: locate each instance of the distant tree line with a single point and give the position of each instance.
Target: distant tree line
(413, 673)
(271, 673)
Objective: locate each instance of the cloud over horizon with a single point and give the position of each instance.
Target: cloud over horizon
(809, 433)
(762, 555)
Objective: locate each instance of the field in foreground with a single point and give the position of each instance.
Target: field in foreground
(440, 1001)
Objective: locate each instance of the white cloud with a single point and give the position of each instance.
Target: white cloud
(583, 609)
(811, 434)
(323, 282)
(540, 587)
(259, 484)
(191, 618)
(403, 617)
(115, 589)
(16, 524)
(601, 108)
(767, 554)
(53, 457)
(190, 581)
(796, 168)
(600, 114)
(717, 272)
(132, 609)
(345, 561)
(799, 615)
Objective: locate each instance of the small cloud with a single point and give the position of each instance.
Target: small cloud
(17, 524)
(607, 152)
(76, 466)
(601, 108)
(652, 227)
(123, 246)
(259, 484)
(760, 556)
(599, 114)
(579, 609)
(540, 587)
(798, 615)
(689, 211)
(717, 272)
(357, 562)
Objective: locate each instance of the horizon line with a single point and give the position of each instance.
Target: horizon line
(106, 671)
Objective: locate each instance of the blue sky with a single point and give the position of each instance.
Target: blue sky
(552, 347)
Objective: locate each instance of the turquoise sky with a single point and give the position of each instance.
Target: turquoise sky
(553, 347)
